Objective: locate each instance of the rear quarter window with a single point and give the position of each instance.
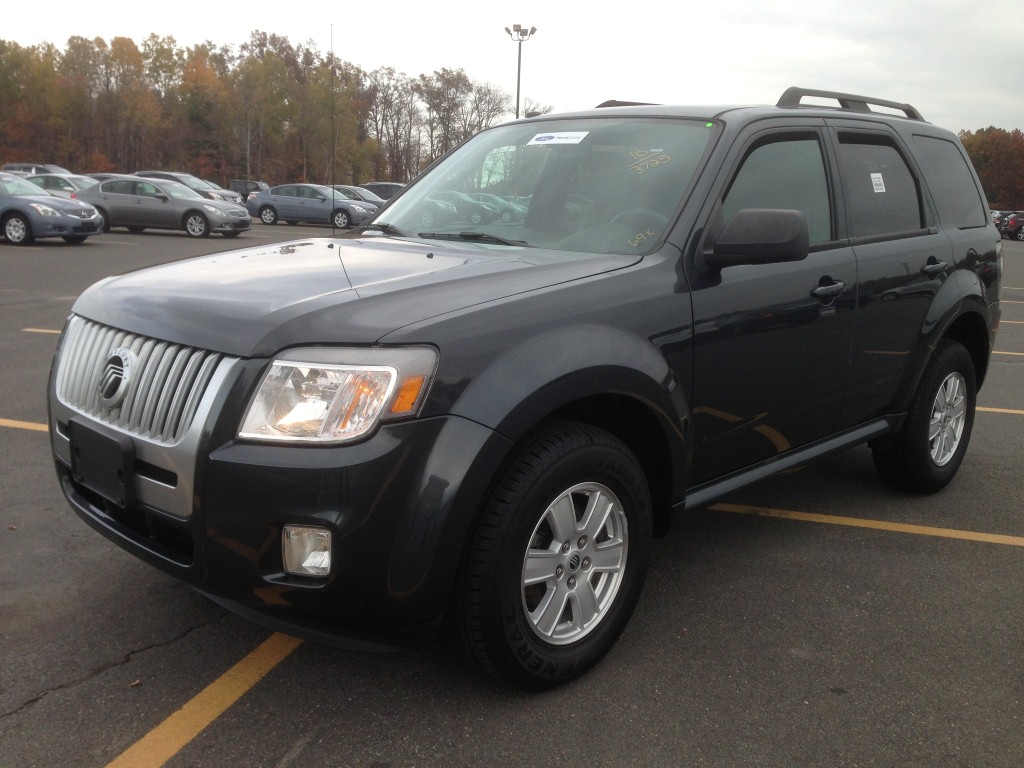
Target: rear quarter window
(951, 183)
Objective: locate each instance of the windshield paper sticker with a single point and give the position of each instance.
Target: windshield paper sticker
(563, 137)
(878, 182)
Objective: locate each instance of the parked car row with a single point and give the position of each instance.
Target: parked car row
(1009, 223)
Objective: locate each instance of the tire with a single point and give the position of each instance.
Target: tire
(506, 216)
(426, 219)
(927, 451)
(106, 219)
(268, 215)
(196, 225)
(18, 230)
(534, 612)
(74, 239)
(342, 220)
(1019, 234)
(476, 217)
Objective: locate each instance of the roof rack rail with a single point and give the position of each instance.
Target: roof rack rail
(614, 103)
(792, 97)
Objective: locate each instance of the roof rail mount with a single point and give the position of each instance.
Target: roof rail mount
(792, 98)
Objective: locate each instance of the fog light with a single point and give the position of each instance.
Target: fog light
(307, 550)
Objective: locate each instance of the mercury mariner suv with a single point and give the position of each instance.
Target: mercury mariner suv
(426, 423)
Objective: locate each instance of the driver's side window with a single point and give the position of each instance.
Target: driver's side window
(784, 174)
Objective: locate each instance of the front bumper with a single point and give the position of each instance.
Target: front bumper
(399, 507)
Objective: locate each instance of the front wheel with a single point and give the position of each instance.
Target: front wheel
(926, 453)
(558, 559)
(342, 220)
(18, 230)
(196, 225)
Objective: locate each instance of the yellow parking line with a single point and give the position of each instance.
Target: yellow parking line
(39, 330)
(881, 525)
(31, 425)
(167, 739)
(1000, 410)
(1016, 354)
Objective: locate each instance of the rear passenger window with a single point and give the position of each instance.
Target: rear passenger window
(785, 174)
(951, 183)
(881, 191)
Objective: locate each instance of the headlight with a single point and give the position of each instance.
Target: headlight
(325, 395)
(213, 209)
(44, 210)
(359, 208)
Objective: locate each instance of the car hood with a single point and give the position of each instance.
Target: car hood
(58, 203)
(254, 302)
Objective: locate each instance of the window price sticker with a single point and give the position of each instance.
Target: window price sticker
(878, 182)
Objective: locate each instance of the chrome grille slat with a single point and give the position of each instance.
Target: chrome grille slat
(165, 390)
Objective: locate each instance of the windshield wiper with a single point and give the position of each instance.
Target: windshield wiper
(388, 229)
(482, 237)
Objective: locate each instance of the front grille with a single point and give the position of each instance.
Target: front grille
(164, 391)
(238, 214)
(83, 213)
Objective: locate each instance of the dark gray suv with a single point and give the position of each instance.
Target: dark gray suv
(359, 438)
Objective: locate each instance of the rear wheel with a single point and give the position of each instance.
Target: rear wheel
(556, 565)
(268, 215)
(196, 225)
(926, 453)
(18, 230)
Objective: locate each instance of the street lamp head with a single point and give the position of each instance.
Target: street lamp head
(519, 33)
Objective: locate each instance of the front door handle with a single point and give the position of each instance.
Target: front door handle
(828, 291)
(934, 267)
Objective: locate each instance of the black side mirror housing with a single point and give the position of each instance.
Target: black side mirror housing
(759, 236)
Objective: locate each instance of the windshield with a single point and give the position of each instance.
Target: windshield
(599, 185)
(174, 189)
(21, 187)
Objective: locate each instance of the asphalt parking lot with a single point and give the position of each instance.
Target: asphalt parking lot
(816, 619)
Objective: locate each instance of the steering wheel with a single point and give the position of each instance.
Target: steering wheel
(660, 218)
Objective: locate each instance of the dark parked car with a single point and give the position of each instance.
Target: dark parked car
(28, 169)
(28, 212)
(245, 187)
(143, 203)
(383, 189)
(307, 203)
(205, 188)
(466, 208)
(364, 195)
(507, 211)
(486, 426)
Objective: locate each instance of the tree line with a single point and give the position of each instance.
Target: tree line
(998, 156)
(277, 112)
(268, 110)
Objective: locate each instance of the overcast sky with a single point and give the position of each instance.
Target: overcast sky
(961, 63)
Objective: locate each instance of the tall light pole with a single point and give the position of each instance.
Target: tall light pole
(519, 35)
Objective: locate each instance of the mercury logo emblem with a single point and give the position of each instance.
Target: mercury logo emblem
(117, 374)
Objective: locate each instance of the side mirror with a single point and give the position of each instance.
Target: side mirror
(161, 196)
(759, 236)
